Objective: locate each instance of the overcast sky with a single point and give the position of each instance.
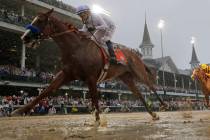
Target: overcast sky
(183, 19)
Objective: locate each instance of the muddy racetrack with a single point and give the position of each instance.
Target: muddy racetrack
(120, 126)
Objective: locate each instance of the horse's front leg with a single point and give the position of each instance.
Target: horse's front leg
(94, 97)
(58, 81)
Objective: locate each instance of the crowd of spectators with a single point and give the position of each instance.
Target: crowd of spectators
(14, 18)
(9, 71)
(65, 104)
(59, 4)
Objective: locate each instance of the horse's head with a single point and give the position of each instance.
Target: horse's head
(198, 73)
(37, 30)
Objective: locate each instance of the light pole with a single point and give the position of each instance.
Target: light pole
(161, 25)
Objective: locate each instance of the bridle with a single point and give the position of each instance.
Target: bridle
(48, 30)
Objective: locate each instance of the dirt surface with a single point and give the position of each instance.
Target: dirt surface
(121, 126)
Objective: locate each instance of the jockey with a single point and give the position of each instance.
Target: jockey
(206, 69)
(100, 27)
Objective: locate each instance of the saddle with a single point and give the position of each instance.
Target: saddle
(120, 57)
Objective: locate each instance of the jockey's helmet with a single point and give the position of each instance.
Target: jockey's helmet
(203, 66)
(81, 9)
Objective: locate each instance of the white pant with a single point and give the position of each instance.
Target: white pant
(102, 36)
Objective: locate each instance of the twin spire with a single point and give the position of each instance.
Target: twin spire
(146, 47)
(194, 59)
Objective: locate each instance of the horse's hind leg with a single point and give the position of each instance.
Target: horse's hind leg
(140, 71)
(56, 83)
(129, 81)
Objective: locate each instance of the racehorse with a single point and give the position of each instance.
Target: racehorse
(82, 60)
(204, 82)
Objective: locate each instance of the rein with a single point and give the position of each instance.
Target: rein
(69, 30)
(61, 33)
(50, 32)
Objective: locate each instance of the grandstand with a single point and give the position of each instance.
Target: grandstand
(24, 70)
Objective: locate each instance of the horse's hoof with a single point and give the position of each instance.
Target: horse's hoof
(164, 107)
(97, 123)
(155, 117)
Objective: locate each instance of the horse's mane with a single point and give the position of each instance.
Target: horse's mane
(70, 26)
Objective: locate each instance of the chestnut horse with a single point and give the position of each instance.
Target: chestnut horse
(204, 82)
(82, 60)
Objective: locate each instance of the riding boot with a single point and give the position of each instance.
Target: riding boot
(111, 52)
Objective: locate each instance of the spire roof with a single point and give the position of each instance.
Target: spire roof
(146, 37)
(194, 58)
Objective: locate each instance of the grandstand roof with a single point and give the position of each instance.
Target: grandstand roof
(151, 63)
(169, 64)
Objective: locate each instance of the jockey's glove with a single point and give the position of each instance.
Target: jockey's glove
(91, 29)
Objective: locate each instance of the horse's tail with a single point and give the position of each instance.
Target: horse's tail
(147, 69)
(143, 73)
(138, 68)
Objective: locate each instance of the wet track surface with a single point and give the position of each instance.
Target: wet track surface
(121, 126)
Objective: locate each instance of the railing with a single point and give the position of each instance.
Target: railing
(83, 109)
(14, 18)
(108, 86)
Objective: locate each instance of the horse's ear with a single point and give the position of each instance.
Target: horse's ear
(49, 12)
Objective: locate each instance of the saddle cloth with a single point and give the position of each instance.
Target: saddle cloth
(120, 57)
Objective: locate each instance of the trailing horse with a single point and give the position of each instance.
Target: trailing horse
(204, 82)
(82, 60)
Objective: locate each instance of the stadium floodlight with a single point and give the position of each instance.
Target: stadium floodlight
(99, 10)
(161, 24)
(192, 41)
